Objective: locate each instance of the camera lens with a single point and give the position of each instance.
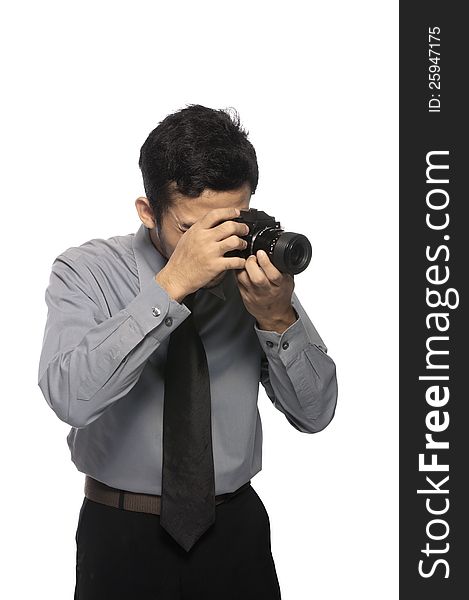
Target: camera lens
(292, 252)
(297, 255)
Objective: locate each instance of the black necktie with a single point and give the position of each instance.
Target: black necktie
(188, 480)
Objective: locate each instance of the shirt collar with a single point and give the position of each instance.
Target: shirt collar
(150, 261)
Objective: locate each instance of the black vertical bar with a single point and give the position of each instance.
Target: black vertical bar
(433, 259)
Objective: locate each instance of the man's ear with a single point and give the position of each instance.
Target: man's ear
(145, 212)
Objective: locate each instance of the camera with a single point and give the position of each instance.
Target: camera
(289, 252)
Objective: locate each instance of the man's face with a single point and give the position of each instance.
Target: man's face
(185, 211)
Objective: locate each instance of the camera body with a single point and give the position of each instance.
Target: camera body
(289, 252)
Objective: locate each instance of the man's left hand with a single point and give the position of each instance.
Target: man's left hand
(267, 292)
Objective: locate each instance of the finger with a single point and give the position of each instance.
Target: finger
(243, 278)
(227, 228)
(272, 273)
(256, 274)
(233, 262)
(231, 243)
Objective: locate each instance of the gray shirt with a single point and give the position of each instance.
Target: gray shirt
(101, 367)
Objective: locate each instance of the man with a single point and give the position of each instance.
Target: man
(111, 368)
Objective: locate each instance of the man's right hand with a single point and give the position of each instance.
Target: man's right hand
(199, 254)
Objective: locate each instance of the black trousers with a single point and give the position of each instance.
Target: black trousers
(128, 555)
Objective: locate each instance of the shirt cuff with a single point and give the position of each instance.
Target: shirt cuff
(285, 346)
(153, 306)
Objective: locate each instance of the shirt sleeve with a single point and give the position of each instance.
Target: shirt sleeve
(297, 374)
(88, 359)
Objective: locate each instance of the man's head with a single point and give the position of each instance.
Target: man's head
(195, 160)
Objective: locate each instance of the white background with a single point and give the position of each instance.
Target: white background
(315, 84)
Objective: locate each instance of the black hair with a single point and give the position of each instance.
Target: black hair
(193, 149)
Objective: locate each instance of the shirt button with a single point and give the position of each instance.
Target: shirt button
(156, 311)
(269, 343)
(168, 321)
(285, 345)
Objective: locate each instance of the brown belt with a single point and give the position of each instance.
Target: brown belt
(148, 503)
